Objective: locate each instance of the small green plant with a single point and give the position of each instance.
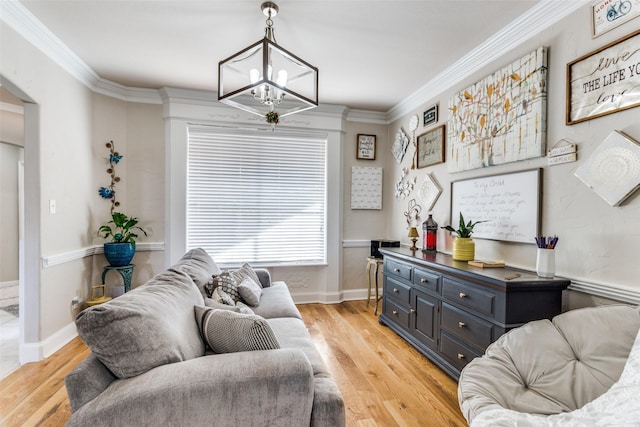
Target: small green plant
(464, 230)
(121, 230)
(272, 117)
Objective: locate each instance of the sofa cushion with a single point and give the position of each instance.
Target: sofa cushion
(276, 301)
(199, 265)
(250, 291)
(225, 331)
(149, 326)
(292, 333)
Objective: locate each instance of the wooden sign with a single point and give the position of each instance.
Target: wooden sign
(604, 81)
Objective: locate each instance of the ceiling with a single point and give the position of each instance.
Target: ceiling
(371, 54)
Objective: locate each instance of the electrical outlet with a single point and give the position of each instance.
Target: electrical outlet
(52, 207)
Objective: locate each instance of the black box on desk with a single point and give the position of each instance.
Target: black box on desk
(377, 244)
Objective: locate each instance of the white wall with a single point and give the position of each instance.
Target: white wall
(598, 244)
(361, 226)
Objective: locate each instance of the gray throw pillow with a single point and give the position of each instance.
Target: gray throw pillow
(151, 325)
(247, 271)
(250, 291)
(227, 332)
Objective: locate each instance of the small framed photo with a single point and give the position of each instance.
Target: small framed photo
(430, 116)
(430, 147)
(366, 147)
(607, 14)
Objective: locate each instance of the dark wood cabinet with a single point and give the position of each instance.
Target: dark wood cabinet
(451, 311)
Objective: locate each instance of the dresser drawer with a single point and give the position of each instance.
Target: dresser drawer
(396, 268)
(399, 315)
(467, 327)
(469, 296)
(426, 280)
(456, 353)
(397, 291)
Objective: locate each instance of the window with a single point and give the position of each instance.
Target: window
(257, 197)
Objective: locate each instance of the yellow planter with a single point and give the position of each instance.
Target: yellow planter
(464, 249)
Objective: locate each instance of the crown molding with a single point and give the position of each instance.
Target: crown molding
(538, 18)
(18, 17)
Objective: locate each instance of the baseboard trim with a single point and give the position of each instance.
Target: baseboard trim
(34, 352)
(335, 298)
(57, 259)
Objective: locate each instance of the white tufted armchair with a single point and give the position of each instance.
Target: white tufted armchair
(552, 367)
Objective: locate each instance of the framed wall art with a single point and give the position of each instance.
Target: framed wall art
(366, 147)
(430, 147)
(604, 81)
(501, 118)
(430, 116)
(366, 188)
(609, 14)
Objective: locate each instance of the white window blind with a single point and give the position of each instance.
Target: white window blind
(257, 197)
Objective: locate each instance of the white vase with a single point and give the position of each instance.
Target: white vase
(546, 263)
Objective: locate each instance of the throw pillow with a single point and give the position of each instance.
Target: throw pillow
(228, 332)
(250, 291)
(247, 271)
(227, 282)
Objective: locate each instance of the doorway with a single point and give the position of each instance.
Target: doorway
(11, 194)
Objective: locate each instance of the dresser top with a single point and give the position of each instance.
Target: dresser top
(496, 277)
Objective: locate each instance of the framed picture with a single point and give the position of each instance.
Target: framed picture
(430, 147)
(604, 81)
(607, 15)
(366, 147)
(430, 116)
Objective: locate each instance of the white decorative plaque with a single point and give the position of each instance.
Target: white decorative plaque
(613, 170)
(366, 188)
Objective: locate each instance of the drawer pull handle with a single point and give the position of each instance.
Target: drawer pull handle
(412, 311)
(461, 324)
(394, 312)
(423, 280)
(395, 290)
(396, 270)
(460, 356)
(463, 295)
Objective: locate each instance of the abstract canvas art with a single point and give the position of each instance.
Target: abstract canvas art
(501, 118)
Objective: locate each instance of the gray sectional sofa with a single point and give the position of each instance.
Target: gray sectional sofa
(150, 365)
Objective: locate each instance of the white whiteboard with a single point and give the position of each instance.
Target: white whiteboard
(509, 202)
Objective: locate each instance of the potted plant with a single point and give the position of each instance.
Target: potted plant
(464, 248)
(121, 230)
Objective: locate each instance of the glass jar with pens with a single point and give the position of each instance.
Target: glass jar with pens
(546, 259)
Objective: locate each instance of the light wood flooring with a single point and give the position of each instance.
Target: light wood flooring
(384, 381)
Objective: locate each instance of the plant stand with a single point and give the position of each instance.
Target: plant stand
(126, 272)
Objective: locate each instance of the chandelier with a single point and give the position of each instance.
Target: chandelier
(266, 79)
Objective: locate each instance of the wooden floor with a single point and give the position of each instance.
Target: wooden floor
(384, 381)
